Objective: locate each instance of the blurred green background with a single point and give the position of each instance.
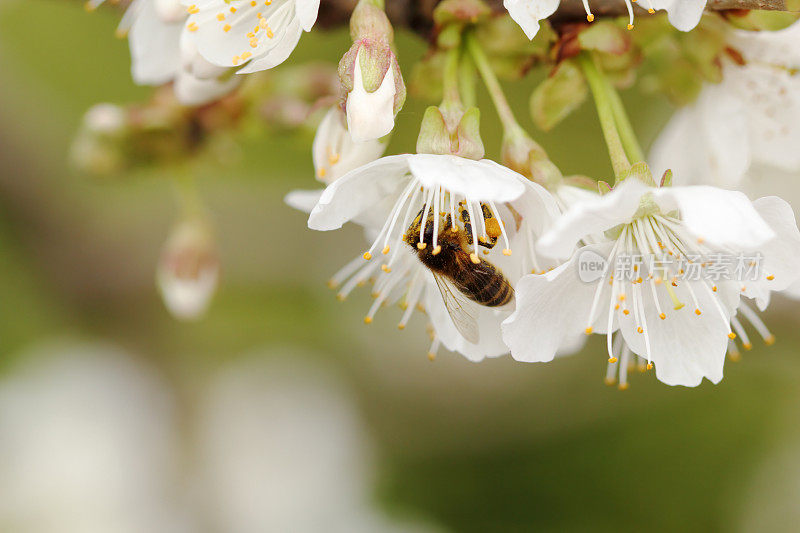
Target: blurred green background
(495, 446)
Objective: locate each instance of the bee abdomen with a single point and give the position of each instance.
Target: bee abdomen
(490, 289)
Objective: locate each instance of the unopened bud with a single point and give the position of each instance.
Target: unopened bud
(188, 270)
(369, 21)
(525, 156)
(372, 80)
(105, 119)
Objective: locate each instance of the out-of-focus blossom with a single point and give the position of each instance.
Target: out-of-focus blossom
(88, 445)
(188, 271)
(252, 34)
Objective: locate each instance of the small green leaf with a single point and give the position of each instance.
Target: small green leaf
(558, 96)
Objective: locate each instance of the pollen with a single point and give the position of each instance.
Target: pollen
(221, 17)
(610, 381)
(651, 10)
(233, 9)
(626, 312)
(422, 245)
(253, 3)
(331, 284)
(436, 249)
(621, 297)
(630, 26)
(431, 357)
(385, 250)
(474, 258)
(639, 329)
(747, 346)
(590, 18)
(714, 288)
(697, 312)
(322, 171)
(612, 360)
(193, 9)
(649, 366)
(401, 326)
(770, 277)
(192, 27)
(386, 268)
(367, 320)
(246, 55)
(588, 331)
(507, 252)
(624, 386)
(367, 256)
(769, 341)
(731, 335)
(226, 28)
(662, 316)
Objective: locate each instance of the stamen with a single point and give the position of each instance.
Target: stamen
(473, 256)
(496, 213)
(434, 349)
(589, 15)
(436, 210)
(630, 14)
(753, 318)
(740, 331)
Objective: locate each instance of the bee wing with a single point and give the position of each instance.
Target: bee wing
(459, 308)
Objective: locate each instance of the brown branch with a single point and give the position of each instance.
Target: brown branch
(417, 14)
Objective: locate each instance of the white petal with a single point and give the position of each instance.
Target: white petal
(685, 347)
(724, 218)
(193, 91)
(706, 143)
(552, 309)
(303, 200)
(370, 115)
(307, 11)
(593, 216)
(528, 13)
(276, 55)
(154, 44)
(683, 14)
(478, 180)
(359, 191)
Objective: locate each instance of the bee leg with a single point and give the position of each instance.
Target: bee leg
(412, 233)
(492, 226)
(464, 214)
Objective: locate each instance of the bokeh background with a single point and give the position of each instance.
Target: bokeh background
(281, 410)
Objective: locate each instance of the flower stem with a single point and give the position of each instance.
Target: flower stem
(450, 77)
(492, 85)
(605, 113)
(188, 198)
(629, 140)
(466, 73)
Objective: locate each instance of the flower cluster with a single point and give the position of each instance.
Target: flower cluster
(513, 257)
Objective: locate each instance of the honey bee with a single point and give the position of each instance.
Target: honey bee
(462, 277)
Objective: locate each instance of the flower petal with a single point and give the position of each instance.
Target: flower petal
(303, 200)
(154, 45)
(307, 11)
(478, 180)
(724, 218)
(528, 13)
(370, 115)
(593, 216)
(683, 14)
(276, 55)
(364, 189)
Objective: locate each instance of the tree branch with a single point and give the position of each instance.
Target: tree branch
(418, 14)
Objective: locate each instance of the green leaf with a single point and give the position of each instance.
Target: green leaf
(558, 96)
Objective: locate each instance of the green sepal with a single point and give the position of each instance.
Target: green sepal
(557, 96)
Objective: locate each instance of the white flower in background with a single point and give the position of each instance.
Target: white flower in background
(282, 448)
(88, 445)
(159, 55)
(335, 153)
(746, 127)
(489, 203)
(683, 14)
(252, 34)
(188, 271)
(679, 322)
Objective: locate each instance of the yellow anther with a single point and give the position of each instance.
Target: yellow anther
(233, 9)
(662, 316)
(770, 277)
(734, 356)
(697, 312)
(385, 250)
(612, 360)
(474, 258)
(731, 335)
(616, 307)
(630, 26)
(624, 386)
(436, 249)
(193, 9)
(714, 288)
(700, 240)
(386, 268)
(341, 297)
(331, 284)
(246, 55)
(621, 297)
(626, 312)
(236, 60)
(321, 172)
(226, 28)
(453, 229)
(422, 245)
(250, 35)
(367, 320)
(270, 35)
(649, 366)
(769, 341)
(610, 381)
(253, 43)
(588, 331)
(590, 18)
(332, 158)
(507, 252)
(431, 356)
(747, 346)
(253, 3)
(639, 329)
(651, 10)
(367, 256)
(192, 27)
(401, 326)
(221, 17)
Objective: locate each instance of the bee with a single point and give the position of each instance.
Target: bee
(462, 277)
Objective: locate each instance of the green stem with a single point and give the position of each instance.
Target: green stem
(450, 78)
(188, 198)
(492, 85)
(629, 140)
(605, 113)
(466, 74)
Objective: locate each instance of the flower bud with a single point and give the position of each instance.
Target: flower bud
(334, 151)
(188, 270)
(371, 77)
(98, 146)
(524, 155)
